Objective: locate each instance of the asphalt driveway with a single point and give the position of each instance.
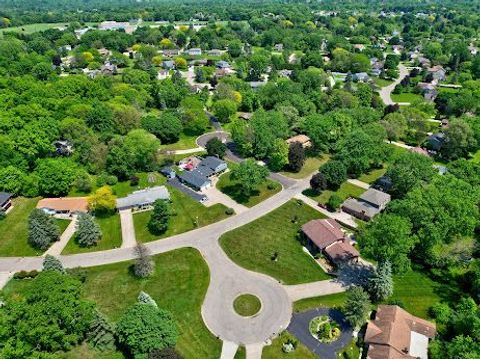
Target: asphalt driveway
(299, 327)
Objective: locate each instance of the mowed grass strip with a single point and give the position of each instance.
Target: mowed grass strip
(188, 214)
(111, 236)
(254, 245)
(14, 229)
(274, 351)
(336, 300)
(178, 284)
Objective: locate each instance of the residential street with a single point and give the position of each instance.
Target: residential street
(386, 91)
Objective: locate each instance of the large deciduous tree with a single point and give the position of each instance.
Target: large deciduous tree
(249, 175)
(159, 218)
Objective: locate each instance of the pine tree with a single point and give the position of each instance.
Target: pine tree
(357, 307)
(52, 263)
(158, 223)
(380, 284)
(101, 333)
(144, 265)
(145, 298)
(88, 231)
(42, 229)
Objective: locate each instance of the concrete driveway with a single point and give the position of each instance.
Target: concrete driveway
(128, 229)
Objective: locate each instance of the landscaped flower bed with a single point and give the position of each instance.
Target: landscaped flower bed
(324, 329)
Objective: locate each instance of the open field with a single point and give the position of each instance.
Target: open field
(254, 245)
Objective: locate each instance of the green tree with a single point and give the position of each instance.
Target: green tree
(279, 155)
(215, 147)
(55, 175)
(235, 48)
(249, 176)
(52, 263)
(357, 307)
(144, 265)
(51, 316)
(380, 284)
(224, 109)
(42, 229)
(101, 333)
(335, 173)
(459, 141)
(388, 238)
(145, 298)
(88, 232)
(167, 127)
(102, 201)
(160, 217)
(296, 156)
(144, 328)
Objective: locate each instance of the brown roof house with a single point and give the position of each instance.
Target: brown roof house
(370, 203)
(64, 205)
(303, 139)
(396, 334)
(326, 235)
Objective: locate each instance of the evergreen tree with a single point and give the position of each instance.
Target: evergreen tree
(296, 156)
(52, 263)
(42, 229)
(145, 298)
(357, 307)
(101, 333)
(144, 265)
(158, 222)
(88, 231)
(380, 284)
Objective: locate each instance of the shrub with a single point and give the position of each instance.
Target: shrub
(101, 333)
(334, 202)
(42, 229)
(52, 263)
(229, 211)
(134, 181)
(25, 274)
(271, 186)
(167, 353)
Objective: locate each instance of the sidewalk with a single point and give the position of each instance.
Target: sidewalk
(358, 183)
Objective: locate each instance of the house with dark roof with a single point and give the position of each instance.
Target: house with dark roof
(223, 64)
(168, 172)
(397, 334)
(195, 180)
(326, 236)
(5, 201)
(215, 164)
(435, 141)
(198, 176)
(370, 203)
(143, 199)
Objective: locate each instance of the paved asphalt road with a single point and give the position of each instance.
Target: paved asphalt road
(386, 91)
(299, 326)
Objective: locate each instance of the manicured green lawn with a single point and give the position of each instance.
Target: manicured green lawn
(188, 214)
(346, 190)
(111, 236)
(185, 142)
(373, 175)
(241, 353)
(252, 246)
(178, 284)
(62, 224)
(14, 229)
(406, 97)
(381, 82)
(247, 305)
(121, 189)
(332, 300)
(232, 189)
(84, 351)
(311, 165)
(417, 292)
(274, 351)
(351, 351)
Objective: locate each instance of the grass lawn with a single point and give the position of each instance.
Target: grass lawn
(121, 189)
(178, 284)
(417, 292)
(381, 82)
(274, 351)
(351, 351)
(187, 212)
(373, 175)
(111, 236)
(406, 97)
(241, 353)
(346, 190)
(62, 224)
(232, 189)
(84, 351)
(247, 305)
(14, 229)
(332, 300)
(253, 245)
(184, 142)
(311, 165)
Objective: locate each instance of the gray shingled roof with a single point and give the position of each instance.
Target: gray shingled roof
(193, 178)
(360, 207)
(4, 197)
(375, 197)
(143, 197)
(212, 162)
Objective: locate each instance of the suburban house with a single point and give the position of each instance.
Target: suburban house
(63, 148)
(170, 52)
(435, 141)
(223, 65)
(168, 65)
(143, 199)
(64, 205)
(199, 177)
(360, 77)
(214, 52)
(285, 73)
(370, 203)
(428, 90)
(194, 51)
(396, 334)
(438, 73)
(326, 236)
(5, 201)
(304, 140)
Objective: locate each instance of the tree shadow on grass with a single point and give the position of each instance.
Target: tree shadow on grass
(235, 192)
